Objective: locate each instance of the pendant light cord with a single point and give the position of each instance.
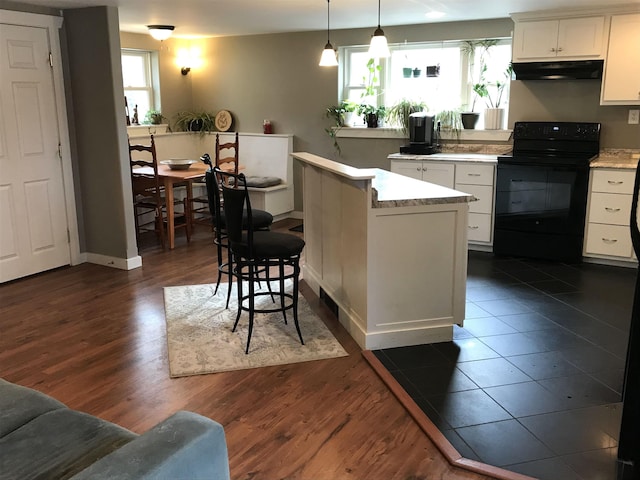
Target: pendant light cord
(378, 13)
(328, 18)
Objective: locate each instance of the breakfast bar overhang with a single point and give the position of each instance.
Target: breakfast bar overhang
(389, 252)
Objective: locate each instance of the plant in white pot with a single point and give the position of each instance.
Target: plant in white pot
(471, 48)
(493, 95)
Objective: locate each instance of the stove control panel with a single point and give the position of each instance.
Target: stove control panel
(549, 131)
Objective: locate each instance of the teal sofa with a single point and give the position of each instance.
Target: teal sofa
(40, 438)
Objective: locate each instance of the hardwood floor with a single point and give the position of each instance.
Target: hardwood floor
(94, 338)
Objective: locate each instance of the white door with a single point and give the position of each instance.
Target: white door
(33, 222)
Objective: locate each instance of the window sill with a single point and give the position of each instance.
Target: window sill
(391, 132)
(146, 130)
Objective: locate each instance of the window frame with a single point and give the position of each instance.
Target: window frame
(151, 75)
(466, 89)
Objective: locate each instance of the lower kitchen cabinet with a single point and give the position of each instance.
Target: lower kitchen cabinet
(476, 178)
(432, 172)
(609, 207)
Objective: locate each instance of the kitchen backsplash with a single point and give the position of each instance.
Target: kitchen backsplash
(482, 148)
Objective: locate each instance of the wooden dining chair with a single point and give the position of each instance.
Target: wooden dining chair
(149, 203)
(226, 157)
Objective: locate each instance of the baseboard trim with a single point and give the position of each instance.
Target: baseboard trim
(115, 262)
(427, 426)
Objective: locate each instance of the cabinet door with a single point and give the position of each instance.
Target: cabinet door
(408, 168)
(580, 37)
(621, 81)
(535, 40)
(438, 173)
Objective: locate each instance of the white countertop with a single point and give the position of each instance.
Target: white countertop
(447, 157)
(389, 189)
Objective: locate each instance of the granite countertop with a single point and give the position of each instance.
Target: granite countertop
(394, 190)
(616, 159)
(448, 157)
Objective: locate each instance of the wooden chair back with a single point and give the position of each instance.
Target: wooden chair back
(145, 184)
(230, 161)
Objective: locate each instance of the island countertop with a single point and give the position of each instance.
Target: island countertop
(390, 189)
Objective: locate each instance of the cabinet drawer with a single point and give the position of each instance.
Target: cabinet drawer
(484, 194)
(612, 240)
(613, 181)
(610, 208)
(479, 227)
(474, 174)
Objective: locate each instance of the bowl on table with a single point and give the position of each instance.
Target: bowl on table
(178, 163)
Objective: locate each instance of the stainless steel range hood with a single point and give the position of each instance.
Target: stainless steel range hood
(558, 70)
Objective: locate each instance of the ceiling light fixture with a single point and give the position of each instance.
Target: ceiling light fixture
(379, 47)
(160, 32)
(434, 14)
(328, 58)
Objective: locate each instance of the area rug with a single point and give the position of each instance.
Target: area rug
(200, 339)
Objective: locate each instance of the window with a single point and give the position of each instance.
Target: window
(139, 78)
(442, 74)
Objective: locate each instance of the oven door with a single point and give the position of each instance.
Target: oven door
(540, 210)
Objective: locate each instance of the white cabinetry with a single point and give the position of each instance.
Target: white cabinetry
(621, 81)
(475, 178)
(559, 39)
(432, 172)
(478, 180)
(607, 234)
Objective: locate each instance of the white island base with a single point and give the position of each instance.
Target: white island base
(389, 251)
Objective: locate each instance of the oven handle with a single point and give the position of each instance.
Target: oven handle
(554, 167)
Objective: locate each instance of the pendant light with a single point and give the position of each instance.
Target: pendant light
(160, 32)
(328, 58)
(378, 47)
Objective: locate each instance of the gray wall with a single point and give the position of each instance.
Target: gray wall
(278, 77)
(573, 101)
(95, 85)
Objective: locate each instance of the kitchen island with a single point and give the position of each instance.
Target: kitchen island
(388, 252)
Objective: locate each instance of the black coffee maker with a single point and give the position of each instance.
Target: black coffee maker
(423, 135)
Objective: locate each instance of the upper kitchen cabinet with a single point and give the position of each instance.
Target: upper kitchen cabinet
(579, 38)
(621, 80)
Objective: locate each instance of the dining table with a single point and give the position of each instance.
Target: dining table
(169, 178)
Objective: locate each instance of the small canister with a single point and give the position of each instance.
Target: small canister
(266, 126)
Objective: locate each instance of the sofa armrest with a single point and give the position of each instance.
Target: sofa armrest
(185, 445)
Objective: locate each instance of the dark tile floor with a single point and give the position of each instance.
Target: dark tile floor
(532, 383)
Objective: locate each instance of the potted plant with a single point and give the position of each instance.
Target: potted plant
(450, 120)
(399, 113)
(195, 121)
(338, 113)
(373, 115)
(153, 117)
(470, 118)
(492, 93)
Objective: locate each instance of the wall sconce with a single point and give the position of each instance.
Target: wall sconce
(187, 59)
(160, 32)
